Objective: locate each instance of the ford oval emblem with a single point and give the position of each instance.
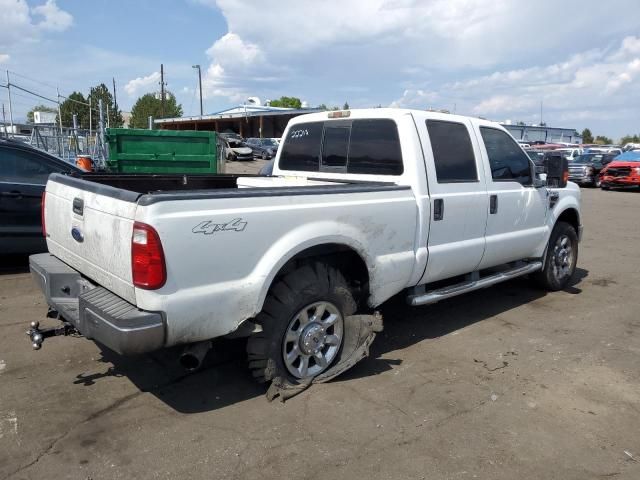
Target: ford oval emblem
(77, 235)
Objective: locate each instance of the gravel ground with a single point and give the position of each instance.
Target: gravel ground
(505, 383)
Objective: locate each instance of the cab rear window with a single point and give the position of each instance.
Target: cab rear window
(367, 146)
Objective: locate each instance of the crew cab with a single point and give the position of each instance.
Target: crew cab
(362, 205)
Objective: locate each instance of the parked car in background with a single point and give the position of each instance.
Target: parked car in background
(24, 171)
(277, 140)
(536, 156)
(570, 153)
(585, 169)
(624, 171)
(267, 169)
(235, 148)
(264, 148)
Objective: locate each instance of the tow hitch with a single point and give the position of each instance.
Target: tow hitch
(37, 334)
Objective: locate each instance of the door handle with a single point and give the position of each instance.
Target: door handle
(493, 204)
(13, 194)
(438, 209)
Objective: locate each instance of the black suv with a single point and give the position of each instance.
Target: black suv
(23, 174)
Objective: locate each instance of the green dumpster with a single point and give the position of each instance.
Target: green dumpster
(161, 151)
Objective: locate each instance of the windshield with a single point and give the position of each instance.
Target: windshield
(587, 159)
(268, 142)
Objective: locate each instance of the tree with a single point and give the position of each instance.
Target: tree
(149, 105)
(101, 92)
(78, 105)
(630, 139)
(602, 140)
(39, 108)
(345, 106)
(322, 106)
(587, 136)
(286, 102)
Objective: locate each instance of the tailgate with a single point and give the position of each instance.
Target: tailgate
(89, 227)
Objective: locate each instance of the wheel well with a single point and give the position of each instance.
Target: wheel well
(571, 217)
(342, 258)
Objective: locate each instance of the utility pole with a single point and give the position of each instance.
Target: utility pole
(10, 108)
(162, 90)
(115, 100)
(4, 122)
(199, 86)
(541, 112)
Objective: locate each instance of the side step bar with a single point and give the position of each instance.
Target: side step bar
(434, 296)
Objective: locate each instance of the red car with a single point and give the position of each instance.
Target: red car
(624, 171)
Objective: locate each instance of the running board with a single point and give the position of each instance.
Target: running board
(434, 296)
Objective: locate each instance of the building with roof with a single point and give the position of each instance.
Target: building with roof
(542, 133)
(246, 120)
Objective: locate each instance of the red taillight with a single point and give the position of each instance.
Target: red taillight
(44, 225)
(147, 258)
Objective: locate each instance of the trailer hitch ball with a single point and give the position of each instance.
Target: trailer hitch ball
(34, 325)
(37, 340)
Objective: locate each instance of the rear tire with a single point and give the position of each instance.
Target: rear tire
(560, 259)
(302, 324)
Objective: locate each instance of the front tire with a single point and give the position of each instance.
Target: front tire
(561, 258)
(302, 325)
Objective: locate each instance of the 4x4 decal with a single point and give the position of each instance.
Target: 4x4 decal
(208, 227)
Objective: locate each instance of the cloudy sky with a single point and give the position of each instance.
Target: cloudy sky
(497, 59)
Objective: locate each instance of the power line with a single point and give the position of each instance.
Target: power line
(32, 93)
(32, 79)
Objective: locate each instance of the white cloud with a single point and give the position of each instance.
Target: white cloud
(4, 58)
(142, 85)
(587, 85)
(54, 19)
(232, 59)
(20, 24)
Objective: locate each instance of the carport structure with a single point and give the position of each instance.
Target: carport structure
(245, 120)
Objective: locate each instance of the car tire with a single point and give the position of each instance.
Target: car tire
(604, 186)
(264, 156)
(302, 321)
(560, 259)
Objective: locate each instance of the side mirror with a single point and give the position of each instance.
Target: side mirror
(538, 179)
(557, 171)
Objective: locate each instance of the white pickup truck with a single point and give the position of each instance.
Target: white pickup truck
(362, 205)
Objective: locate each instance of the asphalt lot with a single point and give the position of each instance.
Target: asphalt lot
(505, 383)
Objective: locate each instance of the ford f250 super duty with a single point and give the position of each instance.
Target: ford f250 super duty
(362, 205)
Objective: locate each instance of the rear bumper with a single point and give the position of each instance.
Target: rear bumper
(96, 312)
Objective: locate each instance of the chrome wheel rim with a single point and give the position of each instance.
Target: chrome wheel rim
(562, 258)
(312, 340)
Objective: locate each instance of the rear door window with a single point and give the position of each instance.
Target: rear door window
(452, 152)
(508, 162)
(21, 167)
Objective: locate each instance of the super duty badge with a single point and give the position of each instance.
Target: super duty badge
(208, 227)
